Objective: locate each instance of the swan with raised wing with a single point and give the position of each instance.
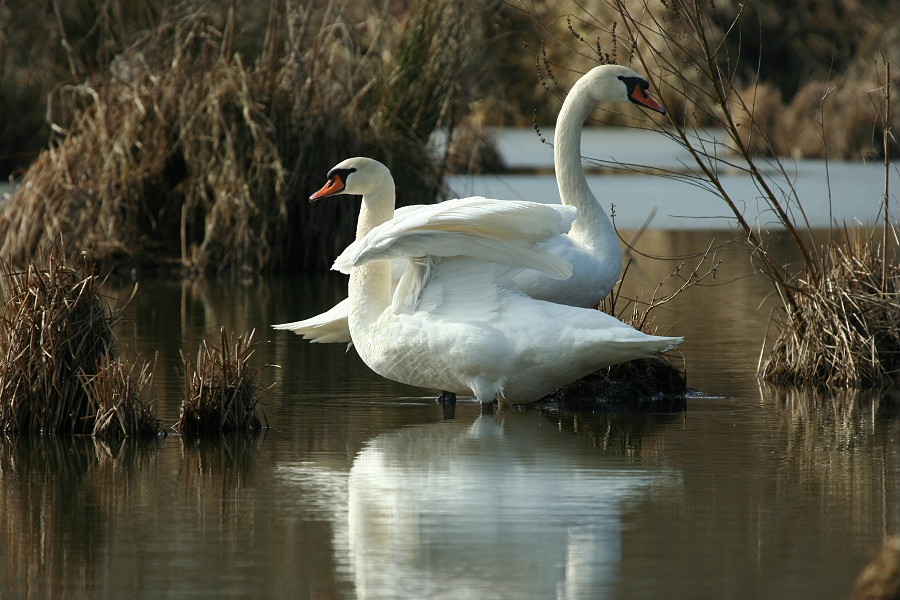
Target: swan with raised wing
(591, 246)
(453, 322)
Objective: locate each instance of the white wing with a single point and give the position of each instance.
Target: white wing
(488, 230)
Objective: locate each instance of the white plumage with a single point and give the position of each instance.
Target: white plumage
(453, 321)
(591, 247)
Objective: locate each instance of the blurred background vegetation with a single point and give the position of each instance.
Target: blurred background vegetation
(187, 133)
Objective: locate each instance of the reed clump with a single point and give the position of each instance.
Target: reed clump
(118, 395)
(843, 331)
(59, 367)
(221, 392)
(194, 151)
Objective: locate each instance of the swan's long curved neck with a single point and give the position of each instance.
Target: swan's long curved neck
(592, 227)
(370, 285)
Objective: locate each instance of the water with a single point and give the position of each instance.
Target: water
(364, 488)
(833, 192)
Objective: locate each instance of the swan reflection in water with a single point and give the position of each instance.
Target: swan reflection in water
(507, 507)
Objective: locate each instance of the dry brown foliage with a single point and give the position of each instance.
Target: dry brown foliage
(221, 391)
(59, 371)
(843, 331)
(186, 153)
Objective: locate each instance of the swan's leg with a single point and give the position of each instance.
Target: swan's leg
(447, 397)
(448, 411)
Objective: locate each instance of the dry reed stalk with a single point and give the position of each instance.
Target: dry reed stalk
(845, 332)
(221, 391)
(186, 154)
(58, 367)
(56, 330)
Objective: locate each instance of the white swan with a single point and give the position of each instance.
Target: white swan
(452, 322)
(591, 247)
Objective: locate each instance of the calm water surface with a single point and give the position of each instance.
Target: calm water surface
(363, 488)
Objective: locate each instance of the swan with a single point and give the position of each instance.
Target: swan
(591, 246)
(453, 321)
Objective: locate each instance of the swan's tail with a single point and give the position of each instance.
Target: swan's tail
(327, 328)
(653, 344)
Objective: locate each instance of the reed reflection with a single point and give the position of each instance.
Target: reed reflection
(839, 443)
(58, 495)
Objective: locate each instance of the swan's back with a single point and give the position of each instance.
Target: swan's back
(455, 323)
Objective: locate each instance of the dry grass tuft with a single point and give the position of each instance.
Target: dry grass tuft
(221, 391)
(184, 153)
(117, 395)
(880, 579)
(844, 330)
(59, 356)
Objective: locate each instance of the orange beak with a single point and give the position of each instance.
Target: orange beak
(641, 97)
(333, 186)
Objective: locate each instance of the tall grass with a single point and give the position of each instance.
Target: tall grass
(187, 153)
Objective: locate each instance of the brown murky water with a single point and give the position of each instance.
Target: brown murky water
(362, 489)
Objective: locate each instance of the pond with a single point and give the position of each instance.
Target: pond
(364, 488)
